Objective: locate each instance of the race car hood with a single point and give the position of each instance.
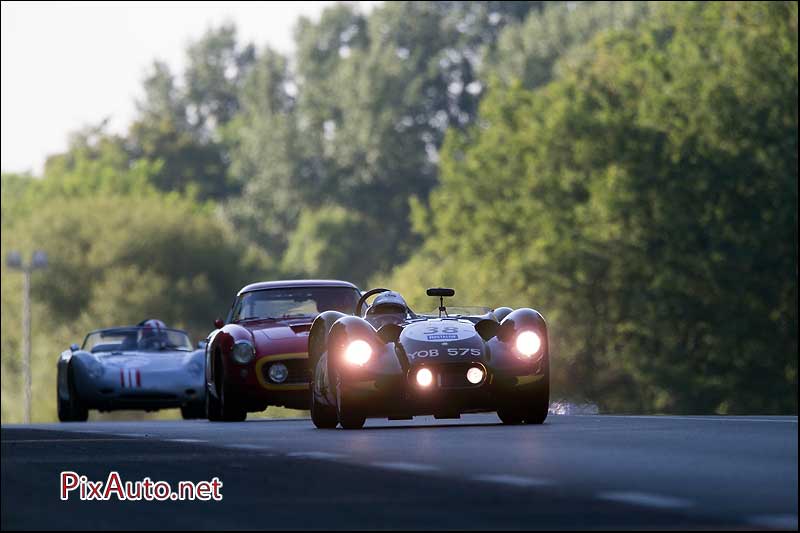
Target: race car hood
(282, 337)
(443, 340)
(161, 361)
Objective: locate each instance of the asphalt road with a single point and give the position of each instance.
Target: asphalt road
(573, 472)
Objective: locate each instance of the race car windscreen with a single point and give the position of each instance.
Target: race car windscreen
(460, 310)
(294, 302)
(137, 339)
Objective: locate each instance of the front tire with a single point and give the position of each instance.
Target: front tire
(349, 418)
(224, 407)
(536, 413)
(534, 407)
(509, 416)
(323, 416)
(73, 409)
(232, 410)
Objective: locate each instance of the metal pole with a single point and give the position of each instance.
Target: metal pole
(26, 340)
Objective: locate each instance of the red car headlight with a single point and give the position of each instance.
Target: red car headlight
(243, 352)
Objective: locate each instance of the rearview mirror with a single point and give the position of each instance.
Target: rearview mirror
(74, 347)
(441, 292)
(201, 344)
(218, 323)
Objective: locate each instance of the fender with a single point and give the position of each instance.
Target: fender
(349, 328)
(318, 336)
(78, 366)
(523, 318)
(501, 312)
(222, 343)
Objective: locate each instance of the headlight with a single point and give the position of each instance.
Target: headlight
(243, 352)
(195, 368)
(358, 352)
(278, 372)
(528, 343)
(424, 377)
(95, 368)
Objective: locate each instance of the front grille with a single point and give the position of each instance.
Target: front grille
(299, 372)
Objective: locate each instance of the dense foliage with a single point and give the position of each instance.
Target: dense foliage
(630, 169)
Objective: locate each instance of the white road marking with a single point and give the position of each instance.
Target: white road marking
(253, 447)
(645, 499)
(315, 455)
(88, 439)
(515, 481)
(720, 418)
(189, 441)
(406, 467)
(775, 521)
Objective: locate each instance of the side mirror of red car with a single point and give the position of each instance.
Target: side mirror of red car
(218, 323)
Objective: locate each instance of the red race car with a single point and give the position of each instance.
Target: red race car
(259, 356)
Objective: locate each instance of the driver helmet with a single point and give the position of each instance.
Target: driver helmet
(152, 330)
(388, 303)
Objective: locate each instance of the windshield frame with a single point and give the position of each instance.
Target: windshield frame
(121, 330)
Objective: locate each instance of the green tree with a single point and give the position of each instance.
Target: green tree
(368, 107)
(182, 123)
(645, 201)
(529, 51)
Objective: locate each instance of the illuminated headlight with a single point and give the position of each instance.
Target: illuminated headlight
(474, 375)
(424, 377)
(358, 352)
(278, 372)
(528, 343)
(243, 352)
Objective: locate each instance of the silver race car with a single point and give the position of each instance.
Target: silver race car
(147, 367)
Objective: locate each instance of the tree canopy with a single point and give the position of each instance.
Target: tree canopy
(627, 168)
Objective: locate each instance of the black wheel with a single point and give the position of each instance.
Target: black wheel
(193, 410)
(223, 407)
(232, 410)
(533, 409)
(349, 418)
(510, 416)
(213, 408)
(536, 410)
(72, 410)
(323, 416)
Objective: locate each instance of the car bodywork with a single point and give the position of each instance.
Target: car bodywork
(235, 387)
(114, 376)
(346, 392)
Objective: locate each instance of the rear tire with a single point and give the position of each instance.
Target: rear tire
(71, 410)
